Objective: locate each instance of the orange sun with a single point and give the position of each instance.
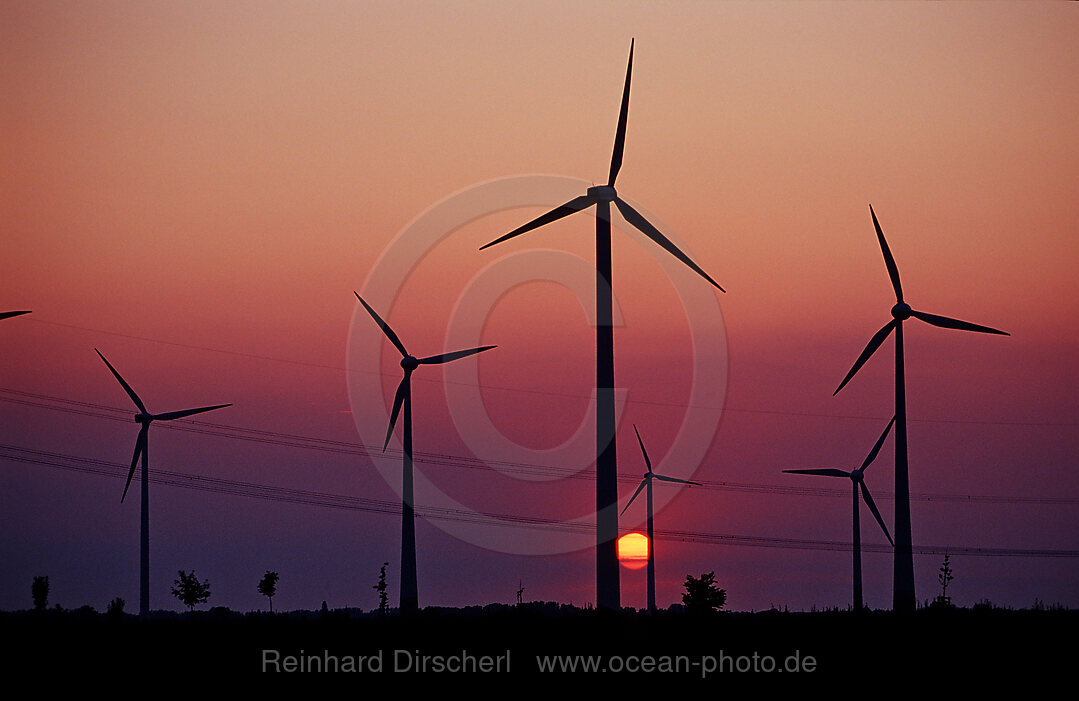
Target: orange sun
(633, 551)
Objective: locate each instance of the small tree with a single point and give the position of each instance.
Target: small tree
(40, 591)
(383, 601)
(190, 590)
(268, 586)
(702, 595)
(944, 576)
(115, 609)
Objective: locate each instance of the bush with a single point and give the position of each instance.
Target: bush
(702, 595)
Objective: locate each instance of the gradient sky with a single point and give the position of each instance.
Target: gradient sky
(196, 189)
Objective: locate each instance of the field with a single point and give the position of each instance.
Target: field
(983, 642)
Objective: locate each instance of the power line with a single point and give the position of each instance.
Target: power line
(548, 393)
(312, 498)
(447, 460)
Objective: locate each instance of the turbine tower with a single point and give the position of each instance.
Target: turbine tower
(145, 418)
(903, 573)
(647, 482)
(857, 478)
(409, 598)
(607, 590)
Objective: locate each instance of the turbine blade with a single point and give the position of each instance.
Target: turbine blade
(398, 400)
(634, 217)
(574, 205)
(169, 415)
(123, 383)
(871, 347)
(383, 325)
(647, 462)
(674, 479)
(140, 446)
(449, 357)
(826, 472)
(893, 271)
(620, 135)
(876, 448)
(876, 514)
(947, 323)
(8, 315)
(639, 488)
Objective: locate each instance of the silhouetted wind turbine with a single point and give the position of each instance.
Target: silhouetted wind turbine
(145, 418)
(647, 483)
(403, 398)
(903, 572)
(857, 478)
(5, 315)
(607, 590)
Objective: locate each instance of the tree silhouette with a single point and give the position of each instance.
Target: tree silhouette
(944, 576)
(40, 591)
(702, 595)
(190, 590)
(268, 586)
(115, 609)
(383, 602)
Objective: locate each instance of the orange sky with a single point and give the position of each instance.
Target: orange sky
(223, 176)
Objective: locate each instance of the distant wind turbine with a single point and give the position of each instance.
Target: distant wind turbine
(903, 572)
(409, 597)
(647, 483)
(5, 315)
(145, 418)
(607, 589)
(857, 478)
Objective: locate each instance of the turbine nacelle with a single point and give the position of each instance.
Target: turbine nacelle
(141, 418)
(602, 193)
(409, 363)
(902, 311)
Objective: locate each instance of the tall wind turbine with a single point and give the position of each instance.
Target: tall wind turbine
(903, 572)
(647, 483)
(857, 478)
(409, 597)
(607, 590)
(5, 315)
(145, 418)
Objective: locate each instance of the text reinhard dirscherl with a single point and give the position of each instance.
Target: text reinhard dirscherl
(404, 661)
(413, 661)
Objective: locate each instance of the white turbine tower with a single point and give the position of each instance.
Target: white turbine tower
(857, 478)
(403, 399)
(601, 196)
(646, 483)
(145, 418)
(903, 563)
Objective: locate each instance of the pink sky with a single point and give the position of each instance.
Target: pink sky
(197, 190)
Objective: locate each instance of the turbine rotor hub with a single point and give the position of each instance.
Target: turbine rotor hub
(603, 193)
(141, 418)
(857, 475)
(409, 362)
(901, 311)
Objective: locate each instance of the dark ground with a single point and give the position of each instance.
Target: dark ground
(974, 643)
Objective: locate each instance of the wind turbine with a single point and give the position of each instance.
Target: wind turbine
(857, 478)
(903, 572)
(607, 590)
(647, 482)
(5, 315)
(409, 597)
(145, 418)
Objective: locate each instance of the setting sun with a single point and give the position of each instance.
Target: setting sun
(633, 551)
